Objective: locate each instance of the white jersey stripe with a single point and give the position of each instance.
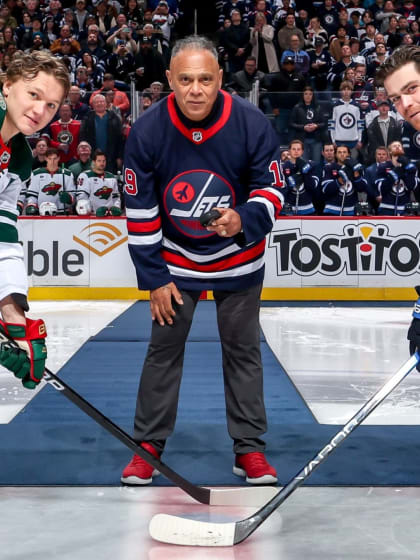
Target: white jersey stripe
(141, 213)
(231, 272)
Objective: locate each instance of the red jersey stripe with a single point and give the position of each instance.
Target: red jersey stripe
(224, 264)
(144, 227)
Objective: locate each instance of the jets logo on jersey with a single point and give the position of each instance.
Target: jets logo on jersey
(416, 139)
(191, 194)
(104, 192)
(51, 189)
(347, 120)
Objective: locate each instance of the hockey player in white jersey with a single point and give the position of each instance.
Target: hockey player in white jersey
(52, 183)
(97, 190)
(32, 90)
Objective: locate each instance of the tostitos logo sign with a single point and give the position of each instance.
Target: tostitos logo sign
(363, 249)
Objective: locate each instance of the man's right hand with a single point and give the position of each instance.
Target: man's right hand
(27, 360)
(161, 303)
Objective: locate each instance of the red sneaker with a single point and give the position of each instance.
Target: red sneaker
(255, 468)
(138, 471)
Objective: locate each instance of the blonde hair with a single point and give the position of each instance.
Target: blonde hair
(27, 66)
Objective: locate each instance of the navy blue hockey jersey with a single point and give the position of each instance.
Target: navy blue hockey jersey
(176, 170)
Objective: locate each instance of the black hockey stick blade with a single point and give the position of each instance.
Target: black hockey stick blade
(179, 530)
(211, 496)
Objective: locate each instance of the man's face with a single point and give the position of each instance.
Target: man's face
(41, 147)
(354, 47)
(381, 156)
(380, 49)
(290, 20)
(296, 151)
(65, 112)
(31, 104)
(250, 66)
(383, 111)
(403, 89)
(396, 149)
(360, 73)
(195, 78)
(345, 50)
(236, 18)
(328, 152)
(121, 20)
(84, 151)
(99, 104)
(52, 161)
(100, 164)
(342, 154)
(294, 42)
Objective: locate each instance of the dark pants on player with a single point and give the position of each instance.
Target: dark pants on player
(238, 323)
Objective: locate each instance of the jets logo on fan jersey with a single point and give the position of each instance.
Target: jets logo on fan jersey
(191, 194)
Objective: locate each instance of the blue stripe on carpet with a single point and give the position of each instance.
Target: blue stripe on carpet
(52, 442)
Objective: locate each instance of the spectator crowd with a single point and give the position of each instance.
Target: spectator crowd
(346, 150)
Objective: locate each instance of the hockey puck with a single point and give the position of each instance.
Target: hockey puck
(207, 218)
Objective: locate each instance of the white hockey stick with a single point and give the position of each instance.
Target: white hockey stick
(256, 496)
(179, 530)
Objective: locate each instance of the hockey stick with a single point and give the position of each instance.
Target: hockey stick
(179, 530)
(220, 497)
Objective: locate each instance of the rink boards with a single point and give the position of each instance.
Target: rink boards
(307, 258)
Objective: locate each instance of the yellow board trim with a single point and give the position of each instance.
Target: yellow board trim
(268, 294)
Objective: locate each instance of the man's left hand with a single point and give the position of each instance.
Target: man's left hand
(229, 223)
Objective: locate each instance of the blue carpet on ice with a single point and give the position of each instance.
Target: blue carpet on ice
(51, 442)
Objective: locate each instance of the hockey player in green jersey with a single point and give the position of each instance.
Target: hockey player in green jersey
(97, 190)
(32, 90)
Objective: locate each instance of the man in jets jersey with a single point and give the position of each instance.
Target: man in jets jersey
(97, 190)
(52, 184)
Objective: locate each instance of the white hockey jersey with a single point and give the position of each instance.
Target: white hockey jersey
(100, 190)
(346, 124)
(46, 187)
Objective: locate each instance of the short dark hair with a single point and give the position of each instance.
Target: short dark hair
(399, 58)
(52, 152)
(98, 153)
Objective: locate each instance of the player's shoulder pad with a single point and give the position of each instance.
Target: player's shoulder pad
(109, 175)
(88, 174)
(39, 171)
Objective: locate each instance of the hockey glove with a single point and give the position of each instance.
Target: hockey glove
(28, 361)
(65, 197)
(101, 211)
(407, 165)
(32, 210)
(413, 334)
(303, 166)
(393, 174)
(343, 175)
(115, 211)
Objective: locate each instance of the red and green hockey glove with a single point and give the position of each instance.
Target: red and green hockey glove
(27, 362)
